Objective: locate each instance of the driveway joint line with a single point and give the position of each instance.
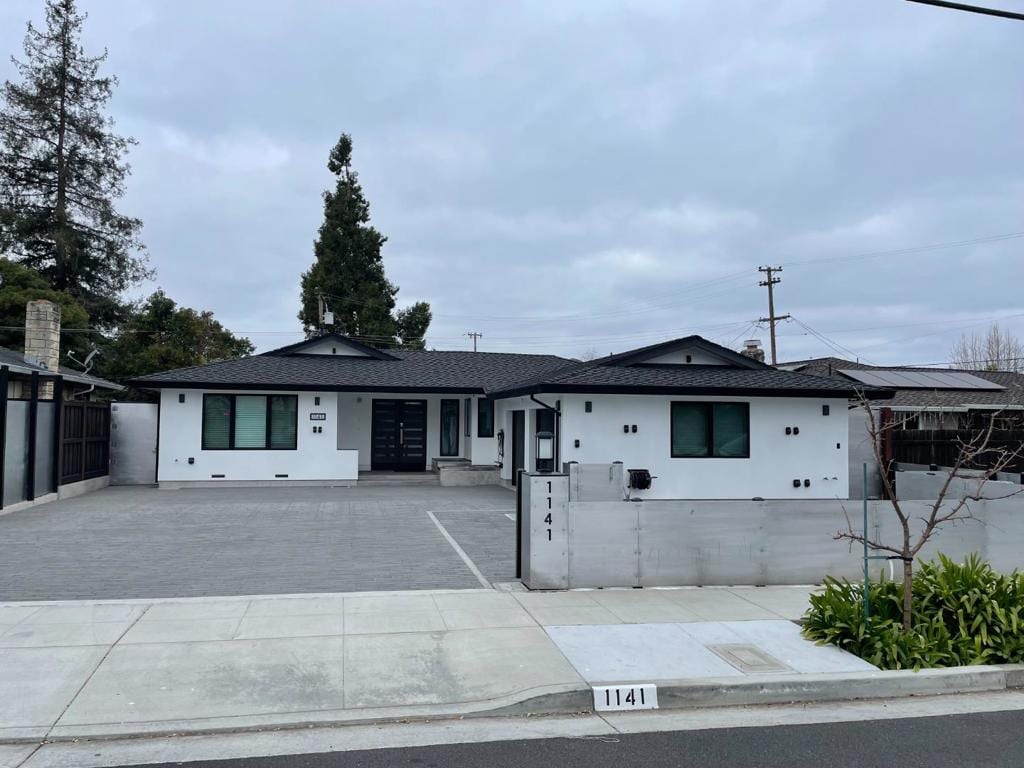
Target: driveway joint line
(460, 551)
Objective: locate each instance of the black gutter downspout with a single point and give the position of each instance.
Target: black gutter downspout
(3, 427)
(33, 416)
(558, 429)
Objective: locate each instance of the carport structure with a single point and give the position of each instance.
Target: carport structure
(134, 542)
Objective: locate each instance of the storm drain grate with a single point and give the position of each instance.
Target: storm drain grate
(748, 658)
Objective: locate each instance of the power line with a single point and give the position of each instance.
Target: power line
(972, 9)
(836, 346)
(907, 251)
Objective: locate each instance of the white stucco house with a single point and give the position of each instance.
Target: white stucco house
(706, 422)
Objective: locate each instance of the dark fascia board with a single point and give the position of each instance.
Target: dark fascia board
(264, 387)
(595, 389)
(297, 347)
(643, 354)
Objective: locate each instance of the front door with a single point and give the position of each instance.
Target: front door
(399, 435)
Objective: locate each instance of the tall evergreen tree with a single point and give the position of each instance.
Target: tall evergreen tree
(20, 285)
(411, 325)
(62, 169)
(349, 271)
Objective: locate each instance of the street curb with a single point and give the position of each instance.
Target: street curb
(791, 689)
(576, 699)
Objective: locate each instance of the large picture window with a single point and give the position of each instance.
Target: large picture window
(449, 427)
(711, 430)
(250, 422)
(484, 417)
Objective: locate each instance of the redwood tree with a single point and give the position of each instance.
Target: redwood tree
(62, 169)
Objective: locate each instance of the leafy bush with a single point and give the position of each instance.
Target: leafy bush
(963, 613)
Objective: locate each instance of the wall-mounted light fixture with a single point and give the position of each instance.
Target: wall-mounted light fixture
(545, 451)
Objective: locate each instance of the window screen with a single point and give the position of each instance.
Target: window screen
(250, 421)
(449, 427)
(731, 430)
(283, 421)
(689, 429)
(484, 418)
(216, 422)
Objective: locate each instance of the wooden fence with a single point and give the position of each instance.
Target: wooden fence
(942, 447)
(85, 441)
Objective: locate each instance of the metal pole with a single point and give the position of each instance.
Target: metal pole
(864, 531)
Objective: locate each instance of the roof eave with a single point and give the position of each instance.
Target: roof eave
(264, 387)
(601, 389)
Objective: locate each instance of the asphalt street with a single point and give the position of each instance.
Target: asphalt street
(959, 741)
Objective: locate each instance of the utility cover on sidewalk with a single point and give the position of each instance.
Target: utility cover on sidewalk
(632, 653)
(748, 658)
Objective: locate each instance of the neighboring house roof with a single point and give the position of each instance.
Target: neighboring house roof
(1011, 394)
(16, 362)
(504, 374)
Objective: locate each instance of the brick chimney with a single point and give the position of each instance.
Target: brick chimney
(752, 349)
(42, 339)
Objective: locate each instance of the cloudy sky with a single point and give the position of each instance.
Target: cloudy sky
(586, 177)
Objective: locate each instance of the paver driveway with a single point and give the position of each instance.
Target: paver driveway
(149, 543)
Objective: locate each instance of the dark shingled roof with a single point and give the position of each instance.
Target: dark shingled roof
(506, 375)
(597, 377)
(1013, 394)
(17, 363)
(410, 371)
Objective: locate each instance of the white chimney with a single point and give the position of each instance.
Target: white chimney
(42, 339)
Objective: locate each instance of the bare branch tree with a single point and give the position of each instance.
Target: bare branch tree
(997, 350)
(977, 460)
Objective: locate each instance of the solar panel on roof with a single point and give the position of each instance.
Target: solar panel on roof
(904, 379)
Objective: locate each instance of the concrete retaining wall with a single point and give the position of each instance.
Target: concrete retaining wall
(925, 484)
(681, 543)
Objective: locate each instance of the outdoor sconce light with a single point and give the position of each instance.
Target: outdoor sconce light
(545, 452)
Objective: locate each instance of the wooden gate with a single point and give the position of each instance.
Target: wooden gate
(84, 442)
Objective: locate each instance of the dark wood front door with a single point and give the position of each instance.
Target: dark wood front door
(518, 444)
(399, 435)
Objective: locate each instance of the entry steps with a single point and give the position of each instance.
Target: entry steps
(367, 479)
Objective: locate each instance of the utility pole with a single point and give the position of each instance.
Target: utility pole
(772, 318)
(474, 335)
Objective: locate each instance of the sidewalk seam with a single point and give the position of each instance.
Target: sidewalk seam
(67, 706)
(94, 671)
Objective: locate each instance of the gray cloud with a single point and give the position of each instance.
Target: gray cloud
(590, 175)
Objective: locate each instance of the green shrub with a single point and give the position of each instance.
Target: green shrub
(963, 613)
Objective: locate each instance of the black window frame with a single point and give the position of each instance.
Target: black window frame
(231, 422)
(458, 409)
(709, 415)
(467, 416)
(484, 404)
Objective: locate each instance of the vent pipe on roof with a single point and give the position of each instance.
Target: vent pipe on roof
(752, 349)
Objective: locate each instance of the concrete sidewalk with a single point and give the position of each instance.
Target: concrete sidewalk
(75, 670)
